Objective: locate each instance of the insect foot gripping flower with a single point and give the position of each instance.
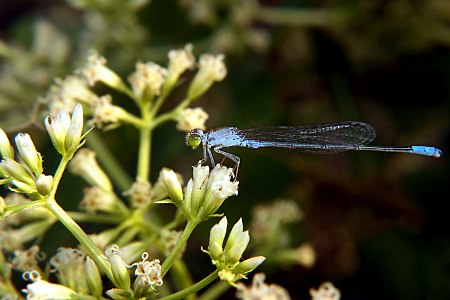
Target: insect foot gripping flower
(206, 191)
(261, 290)
(227, 259)
(65, 131)
(326, 291)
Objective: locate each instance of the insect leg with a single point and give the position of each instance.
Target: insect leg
(233, 157)
(207, 153)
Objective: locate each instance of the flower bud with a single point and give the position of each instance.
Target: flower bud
(28, 152)
(73, 135)
(119, 267)
(15, 170)
(173, 186)
(249, 265)
(2, 207)
(237, 243)
(57, 128)
(93, 277)
(44, 184)
(216, 237)
(5, 147)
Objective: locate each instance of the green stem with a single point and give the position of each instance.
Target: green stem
(126, 117)
(172, 115)
(190, 226)
(145, 143)
(9, 210)
(159, 102)
(88, 218)
(181, 277)
(143, 172)
(193, 288)
(216, 290)
(92, 250)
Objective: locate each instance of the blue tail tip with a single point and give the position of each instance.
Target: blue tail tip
(428, 151)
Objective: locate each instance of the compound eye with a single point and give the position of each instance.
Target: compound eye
(193, 140)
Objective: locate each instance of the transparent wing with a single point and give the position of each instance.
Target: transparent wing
(320, 138)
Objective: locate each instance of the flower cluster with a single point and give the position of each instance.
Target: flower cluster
(204, 193)
(135, 226)
(227, 258)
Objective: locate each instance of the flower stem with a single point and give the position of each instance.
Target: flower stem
(9, 210)
(190, 226)
(216, 290)
(193, 288)
(172, 115)
(145, 144)
(92, 250)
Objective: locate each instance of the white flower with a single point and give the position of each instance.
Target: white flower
(191, 118)
(148, 78)
(259, 290)
(141, 193)
(148, 273)
(211, 69)
(206, 192)
(326, 291)
(96, 199)
(65, 131)
(27, 260)
(105, 112)
(179, 61)
(67, 92)
(96, 70)
(44, 290)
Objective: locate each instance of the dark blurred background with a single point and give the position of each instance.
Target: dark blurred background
(377, 221)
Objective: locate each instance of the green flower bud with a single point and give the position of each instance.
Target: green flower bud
(119, 267)
(73, 136)
(44, 184)
(28, 152)
(173, 186)
(249, 265)
(93, 278)
(5, 147)
(15, 170)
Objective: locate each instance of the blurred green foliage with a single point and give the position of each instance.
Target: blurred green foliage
(376, 220)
